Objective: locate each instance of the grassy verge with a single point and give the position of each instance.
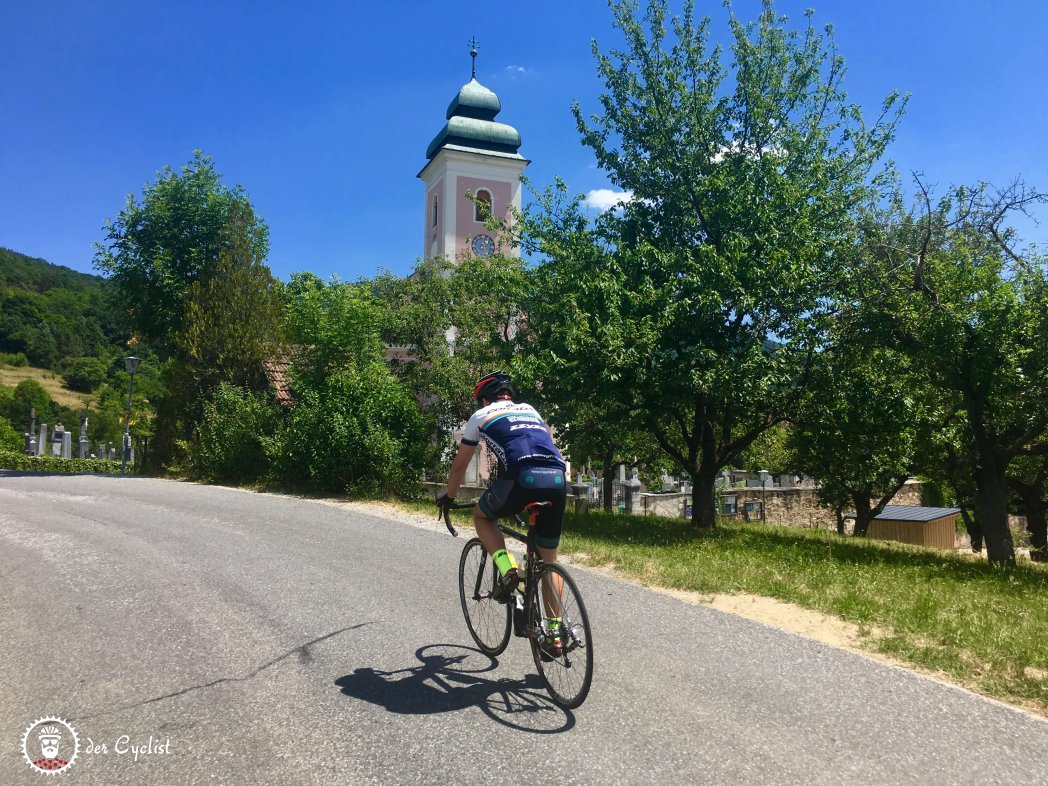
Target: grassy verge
(946, 612)
(977, 625)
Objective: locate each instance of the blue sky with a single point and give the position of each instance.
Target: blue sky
(322, 111)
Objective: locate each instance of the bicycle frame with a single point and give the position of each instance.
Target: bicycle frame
(549, 612)
(532, 575)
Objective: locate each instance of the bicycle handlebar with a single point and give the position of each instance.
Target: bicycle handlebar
(447, 515)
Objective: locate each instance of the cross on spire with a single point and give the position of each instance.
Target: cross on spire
(473, 54)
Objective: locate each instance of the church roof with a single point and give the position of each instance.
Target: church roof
(474, 100)
(471, 124)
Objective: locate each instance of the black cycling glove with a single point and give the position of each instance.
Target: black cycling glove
(444, 502)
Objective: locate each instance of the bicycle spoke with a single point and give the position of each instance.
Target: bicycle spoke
(488, 621)
(567, 670)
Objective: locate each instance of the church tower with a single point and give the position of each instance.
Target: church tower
(471, 154)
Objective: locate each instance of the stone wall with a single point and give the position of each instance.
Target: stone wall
(798, 507)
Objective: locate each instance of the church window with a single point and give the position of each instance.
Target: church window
(482, 206)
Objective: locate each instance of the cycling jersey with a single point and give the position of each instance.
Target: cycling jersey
(516, 434)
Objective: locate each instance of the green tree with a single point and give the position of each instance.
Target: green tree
(158, 247)
(231, 323)
(1028, 479)
(233, 317)
(863, 431)
(353, 426)
(10, 438)
(700, 303)
(450, 324)
(232, 440)
(29, 395)
(971, 309)
(85, 374)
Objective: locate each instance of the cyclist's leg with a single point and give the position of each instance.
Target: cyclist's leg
(499, 500)
(548, 526)
(490, 535)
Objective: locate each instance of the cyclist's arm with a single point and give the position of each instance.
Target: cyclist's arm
(458, 467)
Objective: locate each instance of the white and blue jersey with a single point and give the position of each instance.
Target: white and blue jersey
(516, 434)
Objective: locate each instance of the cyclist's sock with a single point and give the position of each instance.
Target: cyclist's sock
(504, 561)
(553, 642)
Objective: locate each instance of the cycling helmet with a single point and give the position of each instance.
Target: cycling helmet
(492, 385)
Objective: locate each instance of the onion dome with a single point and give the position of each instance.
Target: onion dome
(471, 125)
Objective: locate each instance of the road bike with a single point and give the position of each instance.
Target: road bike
(562, 651)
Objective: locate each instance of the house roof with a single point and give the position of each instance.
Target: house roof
(915, 513)
(278, 371)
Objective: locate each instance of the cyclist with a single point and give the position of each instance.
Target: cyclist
(531, 469)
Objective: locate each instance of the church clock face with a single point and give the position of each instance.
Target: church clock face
(483, 246)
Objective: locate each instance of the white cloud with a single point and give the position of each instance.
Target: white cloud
(514, 70)
(605, 199)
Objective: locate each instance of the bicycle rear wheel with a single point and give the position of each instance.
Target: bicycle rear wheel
(568, 672)
(488, 621)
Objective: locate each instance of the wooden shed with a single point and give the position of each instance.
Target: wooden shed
(932, 527)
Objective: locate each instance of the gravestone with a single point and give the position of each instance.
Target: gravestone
(67, 444)
(41, 443)
(85, 446)
(56, 440)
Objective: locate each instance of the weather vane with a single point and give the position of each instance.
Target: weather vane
(473, 54)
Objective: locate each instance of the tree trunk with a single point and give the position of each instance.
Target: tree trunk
(971, 526)
(863, 514)
(992, 512)
(1036, 509)
(608, 482)
(703, 501)
(839, 513)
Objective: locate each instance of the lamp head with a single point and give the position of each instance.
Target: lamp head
(132, 364)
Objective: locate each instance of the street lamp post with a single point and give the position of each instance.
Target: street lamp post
(764, 493)
(132, 367)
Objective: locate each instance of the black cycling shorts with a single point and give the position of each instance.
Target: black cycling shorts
(507, 496)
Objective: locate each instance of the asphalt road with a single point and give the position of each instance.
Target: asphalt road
(269, 640)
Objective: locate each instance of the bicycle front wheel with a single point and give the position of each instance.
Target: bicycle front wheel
(560, 638)
(488, 621)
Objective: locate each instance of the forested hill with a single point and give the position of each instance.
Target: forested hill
(18, 271)
(51, 314)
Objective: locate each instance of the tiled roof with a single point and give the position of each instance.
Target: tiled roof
(278, 372)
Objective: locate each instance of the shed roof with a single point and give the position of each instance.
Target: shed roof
(915, 513)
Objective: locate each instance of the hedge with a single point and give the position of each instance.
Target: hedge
(19, 461)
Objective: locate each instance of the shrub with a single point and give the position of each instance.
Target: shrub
(85, 374)
(19, 461)
(359, 431)
(18, 359)
(10, 439)
(230, 440)
(30, 394)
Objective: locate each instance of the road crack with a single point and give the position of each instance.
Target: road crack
(302, 651)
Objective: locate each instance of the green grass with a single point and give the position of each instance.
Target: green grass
(975, 624)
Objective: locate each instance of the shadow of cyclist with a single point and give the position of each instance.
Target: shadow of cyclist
(447, 679)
